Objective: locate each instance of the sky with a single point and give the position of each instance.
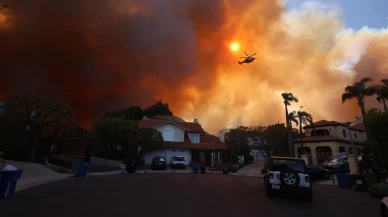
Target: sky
(108, 56)
(356, 13)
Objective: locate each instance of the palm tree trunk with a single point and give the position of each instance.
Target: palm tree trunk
(385, 106)
(290, 146)
(369, 138)
(301, 136)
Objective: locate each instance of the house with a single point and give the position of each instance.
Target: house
(187, 139)
(324, 139)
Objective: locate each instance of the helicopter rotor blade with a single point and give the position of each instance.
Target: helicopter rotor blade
(243, 57)
(253, 54)
(246, 54)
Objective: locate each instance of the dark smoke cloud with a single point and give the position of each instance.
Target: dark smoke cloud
(104, 55)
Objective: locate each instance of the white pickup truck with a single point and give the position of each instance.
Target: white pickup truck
(178, 162)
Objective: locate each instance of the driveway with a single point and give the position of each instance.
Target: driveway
(179, 195)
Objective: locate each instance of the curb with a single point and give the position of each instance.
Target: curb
(29, 185)
(174, 171)
(116, 172)
(251, 175)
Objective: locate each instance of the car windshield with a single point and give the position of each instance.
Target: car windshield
(179, 158)
(159, 159)
(336, 160)
(280, 164)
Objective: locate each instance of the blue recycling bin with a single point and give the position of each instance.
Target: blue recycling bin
(345, 181)
(195, 167)
(82, 169)
(8, 181)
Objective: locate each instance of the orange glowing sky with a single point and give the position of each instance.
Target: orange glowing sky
(108, 56)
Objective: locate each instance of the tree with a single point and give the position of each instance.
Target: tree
(359, 91)
(263, 139)
(288, 98)
(38, 115)
(119, 135)
(159, 108)
(236, 140)
(279, 139)
(378, 122)
(133, 113)
(150, 139)
(382, 93)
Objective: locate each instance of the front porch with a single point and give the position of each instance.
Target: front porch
(208, 157)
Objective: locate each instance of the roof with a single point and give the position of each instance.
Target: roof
(206, 143)
(322, 123)
(327, 138)
(191, 127)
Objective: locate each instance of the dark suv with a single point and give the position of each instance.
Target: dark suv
(288, 175)
(158, 163)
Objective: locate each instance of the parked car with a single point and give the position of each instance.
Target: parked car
(288, 175)
(158, 163)
(384, 207)
(178, 162)
(336, 163)
(317, 174)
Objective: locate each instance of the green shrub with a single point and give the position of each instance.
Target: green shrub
(233, 168)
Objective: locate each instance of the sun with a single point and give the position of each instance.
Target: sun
(234, 46)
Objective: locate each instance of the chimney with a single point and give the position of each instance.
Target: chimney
(222, 136)
(196, 121)
(145, 118)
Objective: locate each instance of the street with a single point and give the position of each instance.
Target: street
(179, 195)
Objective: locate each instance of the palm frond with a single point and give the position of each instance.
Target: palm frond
(350, 88)
(293, 117)
(347, 96)
(385, 82)
(371, 90)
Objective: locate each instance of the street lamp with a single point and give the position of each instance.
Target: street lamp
(351, 142)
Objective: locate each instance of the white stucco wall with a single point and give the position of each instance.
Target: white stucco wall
(167, 154)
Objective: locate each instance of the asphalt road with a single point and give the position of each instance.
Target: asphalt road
(179, 195)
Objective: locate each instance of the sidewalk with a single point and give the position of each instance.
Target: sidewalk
(37, 174)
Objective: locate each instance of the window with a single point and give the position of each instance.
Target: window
(168, 134)
(176, 136)
(321, 132)
(344, 133)
(194, 137)
(355, 135)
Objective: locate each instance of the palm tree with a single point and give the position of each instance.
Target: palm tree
(382, 93)
(306, 119)
(359, 91)
(288, 98)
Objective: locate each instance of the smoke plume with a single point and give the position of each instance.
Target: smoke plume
(104, 55)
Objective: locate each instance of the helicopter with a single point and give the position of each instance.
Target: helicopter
(248, 59)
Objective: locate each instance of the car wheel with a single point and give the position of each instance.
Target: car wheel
(308, 197)
(289, 177)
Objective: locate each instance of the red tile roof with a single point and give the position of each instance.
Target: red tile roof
(327, 138)
(191, 127)
(322, 123)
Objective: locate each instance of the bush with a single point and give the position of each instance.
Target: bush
(264, 171)
(233, 168)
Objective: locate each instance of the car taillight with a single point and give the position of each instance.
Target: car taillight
(270, 175)
(307, 178)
